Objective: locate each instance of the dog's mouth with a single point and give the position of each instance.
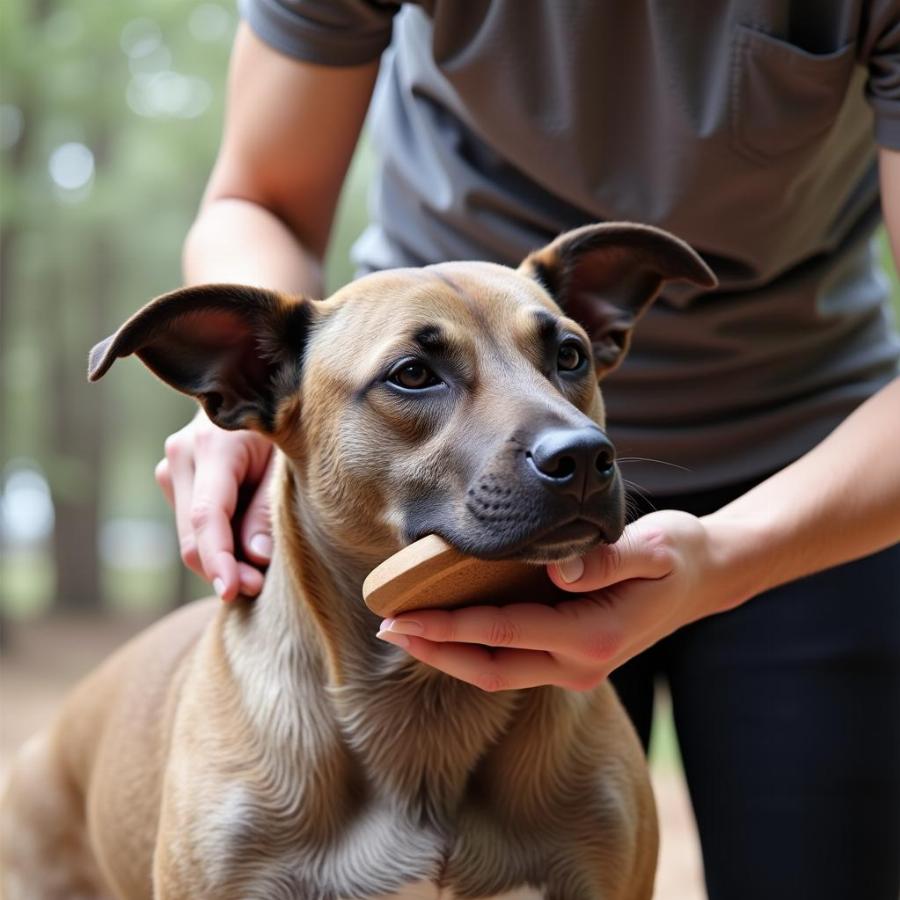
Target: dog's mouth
(574, 537)
(498, 519)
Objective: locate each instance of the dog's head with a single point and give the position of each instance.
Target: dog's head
(460, 399)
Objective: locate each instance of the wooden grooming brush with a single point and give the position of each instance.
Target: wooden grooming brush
(432, 574)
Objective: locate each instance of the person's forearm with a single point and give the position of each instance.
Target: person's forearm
(839, 502)
(238, 241)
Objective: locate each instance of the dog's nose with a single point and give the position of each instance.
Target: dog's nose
(576, 461)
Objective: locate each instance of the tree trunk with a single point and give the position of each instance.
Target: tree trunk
(79, 431)
(76, 428)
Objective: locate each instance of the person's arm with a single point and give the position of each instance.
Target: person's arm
(839, 502)
(842, 499)
(290, 131)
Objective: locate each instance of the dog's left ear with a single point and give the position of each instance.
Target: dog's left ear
(604, 276)
(237, 350)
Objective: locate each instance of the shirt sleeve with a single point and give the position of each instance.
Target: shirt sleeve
(881, 53)
(327, 32)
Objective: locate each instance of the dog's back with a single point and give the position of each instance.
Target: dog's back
(115, 719)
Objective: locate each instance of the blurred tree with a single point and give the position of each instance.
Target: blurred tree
(109, 119)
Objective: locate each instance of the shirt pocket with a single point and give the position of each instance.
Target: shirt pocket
(783, 97)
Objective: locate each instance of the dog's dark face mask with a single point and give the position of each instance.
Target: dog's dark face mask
(460, 399)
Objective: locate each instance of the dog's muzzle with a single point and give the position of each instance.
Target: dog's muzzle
(542, 496)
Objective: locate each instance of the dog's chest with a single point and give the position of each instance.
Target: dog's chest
(419, 890)
(364, 810)
(428, 890)
(380, 856)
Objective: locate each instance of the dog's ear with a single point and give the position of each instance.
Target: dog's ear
(604, 276)
(237, 350)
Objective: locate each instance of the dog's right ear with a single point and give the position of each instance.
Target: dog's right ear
(238, 350)
(605, 276)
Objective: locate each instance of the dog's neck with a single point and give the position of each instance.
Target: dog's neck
(307, 648)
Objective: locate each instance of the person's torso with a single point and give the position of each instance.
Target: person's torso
(742, 127)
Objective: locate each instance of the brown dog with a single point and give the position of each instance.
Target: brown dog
(276, 748)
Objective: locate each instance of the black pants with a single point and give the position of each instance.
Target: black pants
(788, 717)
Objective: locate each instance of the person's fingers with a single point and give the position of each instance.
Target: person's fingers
(181, 473)
(256, 527)
(574, 629)
(215, 546)
(626, 614)
(641, 552)
(163, 477)
(250, 579)
(493, 670)
(201, 475)
(219, 469)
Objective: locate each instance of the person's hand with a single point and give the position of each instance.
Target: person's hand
(668, 568)
(204, 473)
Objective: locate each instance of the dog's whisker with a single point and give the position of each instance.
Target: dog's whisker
(634, 509)
(662, 462)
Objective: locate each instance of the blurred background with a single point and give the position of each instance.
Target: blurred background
(109, 120)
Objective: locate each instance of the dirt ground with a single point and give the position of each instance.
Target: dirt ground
(41, 660)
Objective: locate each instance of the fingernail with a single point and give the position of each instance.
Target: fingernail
(219, 586)
(403, 626)
(389, 637)
(570, 569)
(261, 545)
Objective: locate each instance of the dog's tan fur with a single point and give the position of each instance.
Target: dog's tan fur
(276, 748)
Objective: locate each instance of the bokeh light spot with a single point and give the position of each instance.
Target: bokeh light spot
(71, 166)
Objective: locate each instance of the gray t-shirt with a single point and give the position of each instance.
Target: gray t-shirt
(748, 129)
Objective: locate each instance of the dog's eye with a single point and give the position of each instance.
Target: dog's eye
(570, 357)
(414, 376)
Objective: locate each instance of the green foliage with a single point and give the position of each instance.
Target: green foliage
(135, 91)
(70, 79)
(138, 89)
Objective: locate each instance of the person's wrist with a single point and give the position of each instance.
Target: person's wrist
(738, 548)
